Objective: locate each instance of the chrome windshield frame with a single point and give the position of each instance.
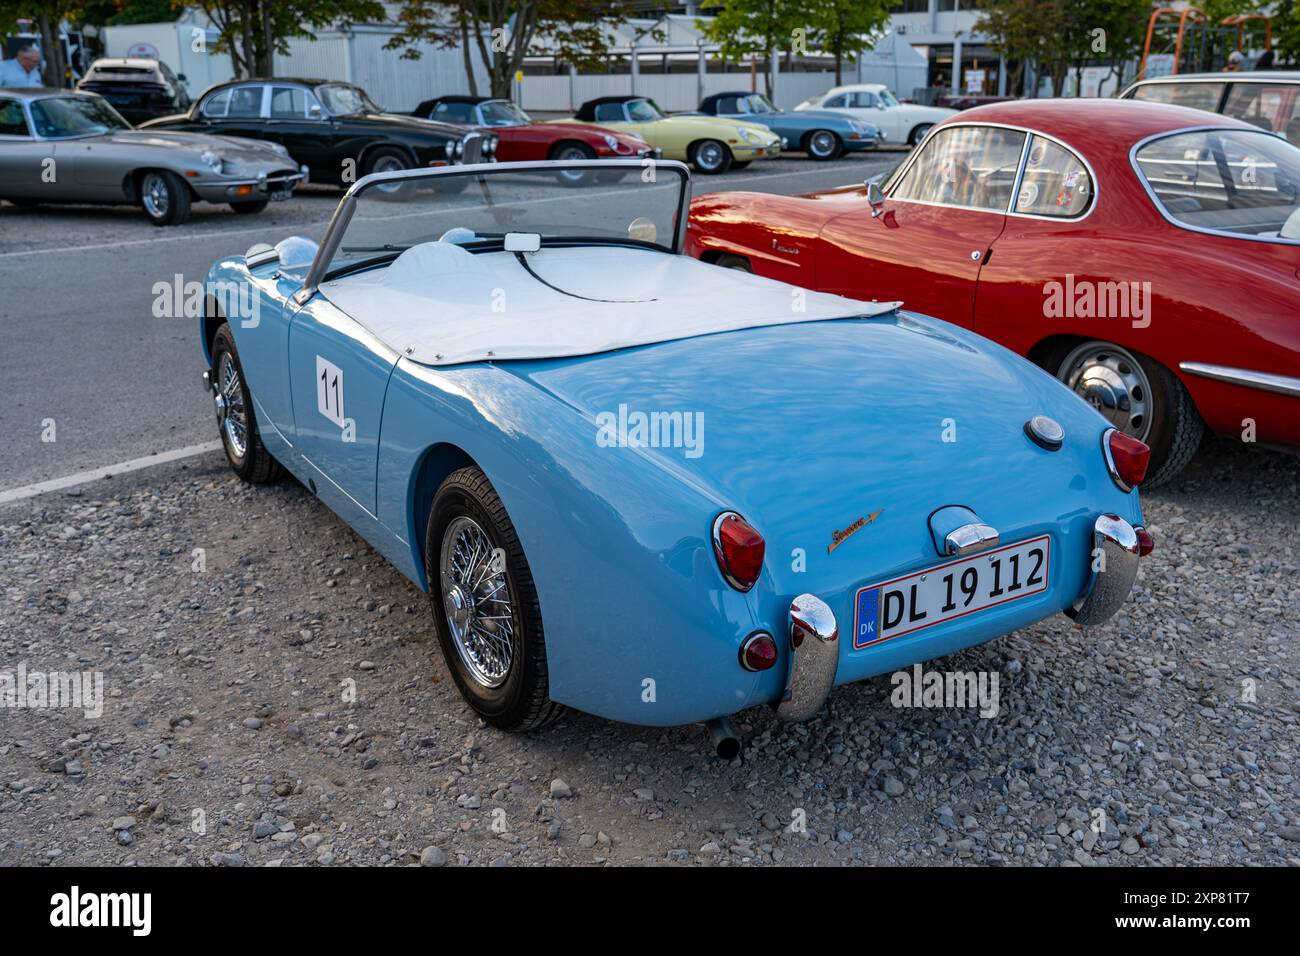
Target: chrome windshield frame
(347, 205)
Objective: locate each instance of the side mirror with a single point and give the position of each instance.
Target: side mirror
(314, 111)
(182, 77)
(875, 199)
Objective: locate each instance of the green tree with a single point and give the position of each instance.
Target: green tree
(1028, 32)
(847, 28)
(501, 33)
(1286, 31)
(761, 27)
(253, 31)
(123, 12)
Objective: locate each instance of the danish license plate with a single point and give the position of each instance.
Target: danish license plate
(278, 195)
(926, 598)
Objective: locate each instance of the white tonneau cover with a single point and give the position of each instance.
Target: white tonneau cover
(439, 304)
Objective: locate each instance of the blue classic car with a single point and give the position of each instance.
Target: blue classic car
(819, 133)
(643, 486)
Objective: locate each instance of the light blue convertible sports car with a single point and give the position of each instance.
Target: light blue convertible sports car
(646, 487)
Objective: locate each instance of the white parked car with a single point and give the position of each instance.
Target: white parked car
(874, 103)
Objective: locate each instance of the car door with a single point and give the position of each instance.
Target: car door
(296, 120)
(1047, 253)
(24, 171)
(338, 373)
(236, 111)
(942, 212)
(868, 107)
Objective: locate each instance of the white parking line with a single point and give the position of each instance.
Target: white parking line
(95, 474)
(187, 236)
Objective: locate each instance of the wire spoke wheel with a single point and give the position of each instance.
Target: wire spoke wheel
(154, 195)
(477, 601)
(231, 410)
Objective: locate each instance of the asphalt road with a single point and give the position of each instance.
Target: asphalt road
(79, 344)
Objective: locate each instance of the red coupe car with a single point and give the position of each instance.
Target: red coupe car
(1146, 255)
(522, 139)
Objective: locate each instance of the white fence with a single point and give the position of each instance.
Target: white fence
(357, 55)
(683, 91)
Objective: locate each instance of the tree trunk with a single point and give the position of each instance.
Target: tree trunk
(839, 61)
(469, 61)
(268, 41)
(55, 69)
(246, 39)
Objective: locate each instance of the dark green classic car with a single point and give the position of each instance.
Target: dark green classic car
(332, 128)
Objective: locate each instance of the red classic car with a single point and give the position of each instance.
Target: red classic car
(1144, 254)
(522, 139)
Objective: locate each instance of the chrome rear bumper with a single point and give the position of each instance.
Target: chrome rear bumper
(1114, 569)
(814, 658)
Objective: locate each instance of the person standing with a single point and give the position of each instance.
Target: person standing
(24, 69)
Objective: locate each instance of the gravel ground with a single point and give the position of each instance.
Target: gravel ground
(225, 694)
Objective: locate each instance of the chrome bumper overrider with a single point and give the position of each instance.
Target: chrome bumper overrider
(1114, 563)
(814, 658)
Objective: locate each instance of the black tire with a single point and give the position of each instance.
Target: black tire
(703, 153)
(250, 208)
(736, 165)
(918, 133)
(254, 464)
(390, 158)
(164, 197)
(821, 148)
(521, 701)
(729, 261)
(1175, 428)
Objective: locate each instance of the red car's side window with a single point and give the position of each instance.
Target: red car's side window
(973, 167)
(1056, 182)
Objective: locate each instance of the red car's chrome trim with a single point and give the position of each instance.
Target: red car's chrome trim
(1266, 381)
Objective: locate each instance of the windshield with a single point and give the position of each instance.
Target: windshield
(343, 100)
(503, 113)
(887, 99)
(58, 116)
(643, 111)
(755, 103)
(613, 201)
(1238, 182)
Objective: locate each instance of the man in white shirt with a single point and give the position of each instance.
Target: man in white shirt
(24, 69)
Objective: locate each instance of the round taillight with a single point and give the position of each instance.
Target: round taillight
(1146, 543)
(758, 653)
(1127, 458)
(739, 550)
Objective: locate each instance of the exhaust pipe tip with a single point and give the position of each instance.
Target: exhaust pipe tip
(725, 743)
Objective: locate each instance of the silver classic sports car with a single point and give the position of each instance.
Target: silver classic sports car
(64, 146)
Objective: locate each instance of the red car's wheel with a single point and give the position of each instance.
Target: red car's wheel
(1139, 396)
(567, 152)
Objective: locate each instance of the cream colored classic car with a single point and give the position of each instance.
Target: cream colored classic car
(710, 144)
